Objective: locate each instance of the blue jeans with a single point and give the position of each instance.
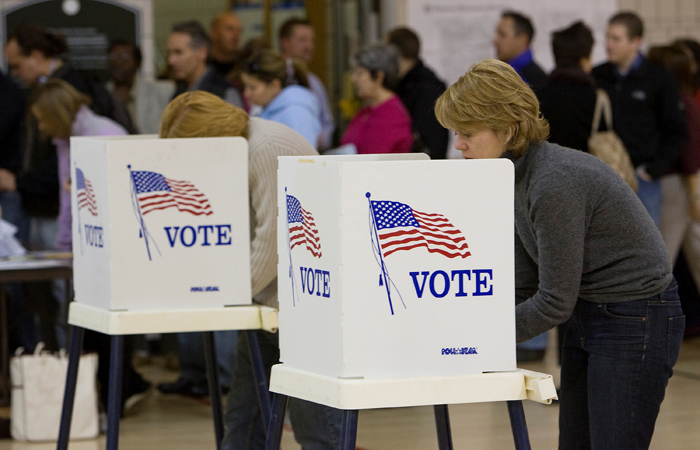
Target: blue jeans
(649, 193)
(193, 368)
(316, 427)
(616, 363)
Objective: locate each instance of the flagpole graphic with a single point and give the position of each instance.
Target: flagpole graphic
(378, 251)
(301, 231)
(85, 198)
(137, 209)
(289, 250)
(80, 227)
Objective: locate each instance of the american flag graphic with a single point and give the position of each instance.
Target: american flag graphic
(86, 196)
(154, 191)
(302, 228)
(401, 227)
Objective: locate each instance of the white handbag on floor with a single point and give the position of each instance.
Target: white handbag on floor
(38, 385)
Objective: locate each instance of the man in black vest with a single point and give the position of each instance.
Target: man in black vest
(188, 50)
(418, 90)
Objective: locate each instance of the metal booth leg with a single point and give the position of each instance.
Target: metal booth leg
(214, 386)
(260, 377)
(518, 425)
(76, 345)
(114, 401)
(442, 423)
(274, 433)
(348, 434)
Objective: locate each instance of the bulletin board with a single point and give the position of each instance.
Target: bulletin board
(458, 33)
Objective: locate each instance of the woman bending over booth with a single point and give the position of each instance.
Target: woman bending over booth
(200, 114)
(586, 251)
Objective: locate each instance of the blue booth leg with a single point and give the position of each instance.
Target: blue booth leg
(442, 422)
(76, 345)
(274, 433)
(518, 425)
(260, 377)
(214, 386)
(348, 433)
(114, 400)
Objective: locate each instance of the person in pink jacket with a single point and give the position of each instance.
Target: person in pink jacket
(61, 112)
(383, 125)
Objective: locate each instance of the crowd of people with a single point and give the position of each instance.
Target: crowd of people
(589, 250)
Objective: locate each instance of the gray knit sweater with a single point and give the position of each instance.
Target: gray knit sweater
(266, 141)
(580, 232)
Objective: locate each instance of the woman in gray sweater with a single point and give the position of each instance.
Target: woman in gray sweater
(201, 114)
(586, 251)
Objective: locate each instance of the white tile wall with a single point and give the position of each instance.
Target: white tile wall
(666, 20)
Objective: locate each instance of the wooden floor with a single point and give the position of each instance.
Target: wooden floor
(177, 423)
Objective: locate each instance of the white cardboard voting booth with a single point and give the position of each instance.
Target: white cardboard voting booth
(393, 268)
(160, 224)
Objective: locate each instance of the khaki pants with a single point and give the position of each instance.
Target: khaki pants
(677, 229)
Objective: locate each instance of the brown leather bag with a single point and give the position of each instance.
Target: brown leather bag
(607, 145)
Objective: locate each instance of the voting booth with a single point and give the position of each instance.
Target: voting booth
(160, 224)
(396, 266)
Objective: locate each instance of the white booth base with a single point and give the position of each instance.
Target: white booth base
(117, 324)
(252, 317)
(351, 394)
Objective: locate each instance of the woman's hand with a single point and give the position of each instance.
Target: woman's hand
(642, 173)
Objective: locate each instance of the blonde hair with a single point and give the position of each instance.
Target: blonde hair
(59, 103)
(491, 95)
(201, 114)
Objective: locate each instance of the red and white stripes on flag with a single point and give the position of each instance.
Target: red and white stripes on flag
(154, 191)
(302, 228)
(399, 227)
(86, 195)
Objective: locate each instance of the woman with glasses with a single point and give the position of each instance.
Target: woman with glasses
(586, 251)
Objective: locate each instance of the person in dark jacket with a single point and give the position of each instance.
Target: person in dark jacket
(11, 116)
(568, 99)
(514, 34)
(418, 90)
(188, 50)
(647, 111)
(225, 36)
(11, 125)
(33, 55)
